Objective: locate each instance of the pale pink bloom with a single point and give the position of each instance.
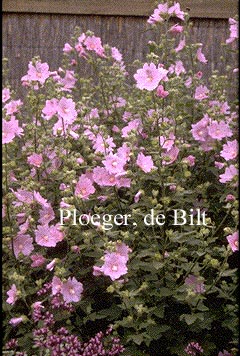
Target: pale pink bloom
(56, 285)
(230, 150)
(50, 266)
(24, 227)
(219, 165)
(66, 110)
(103, 178)
(35, 159)
(24, 196)
(37, 260)
(181, 45)
(37, 305)
(50, 108)
(195, 283)
(201, 92)
(116, 54)
(80, 160)
(38, 72)
(133, 125)
(179, 68)
(72, 290)
(124, 152)
(123, 250)
(200, 56)
(188, 82)
(12, 295)
(5, 94)
(15, 321)
(97, 271)
(149, 76)
(48, 236)
(145, 162)
(190, 160)
(46, 215)
(123, 182)
(76, 249)
(10, 130)
(40, 200)
(229, 174)
(13, 107)
(173, 187)
(103, 145)
(233, 241)
(137, 196)
(67, 48)
(176, 11)
(84, 188)
(176, 28)
(167, 143)
(200, 129)
(230, 197)
(170, 156)
(199, 74)
(68, 81)
(219, 130)
(161, 92)
(114, 164)
(233, 30)
(23, 244)
(114, 265)
(94, 43)
(156, 16)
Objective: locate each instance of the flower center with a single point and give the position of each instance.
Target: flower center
(83, 191)
(72, 291)
(236, 243)
(20, 247)
(114, 163)
(45, 238)
(114, 268)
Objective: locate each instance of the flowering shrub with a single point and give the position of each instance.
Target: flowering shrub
(120, 201)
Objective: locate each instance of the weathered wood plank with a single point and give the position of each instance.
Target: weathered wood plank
(197, 8)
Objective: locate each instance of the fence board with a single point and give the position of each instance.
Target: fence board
(198, 8)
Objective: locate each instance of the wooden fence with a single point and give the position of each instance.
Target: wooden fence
(41, 27)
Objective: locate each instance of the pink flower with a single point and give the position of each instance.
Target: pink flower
(170, 156)
(50, 266)
(145, 162)
(50, 108)
(156, 16)
(114, 265)
(181, 45)
(103, 178)
(94, 43)
(123, 250)
(67, 48)
(230, 197)
(161, 92)
(46, 215)
(195, 283)
(200, 56)
(116, 54)
(72, 290)
(84, 188)
(5, 94)
(190, 160)
(229, 174)
(175, 10)
(48, 236)
(37, 260)
(66, 110)
(233, 30)
(40, 200)
(219, 165)
(35, 159)
(12, 295)
(149, 76)
(167, 143)
(137, 196)
(179, 68)
(103, 145)
(23, 244)
(15, 321)
(38, 72)
(56, 285)
(233, 241)
(133, 125)
(114, 164)
(201, 92)
(219, 130)
(176, 28)
(97, 271)
(200, 129)
(230, 150)
(10, 130)
(68, 81)
(13, 106)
